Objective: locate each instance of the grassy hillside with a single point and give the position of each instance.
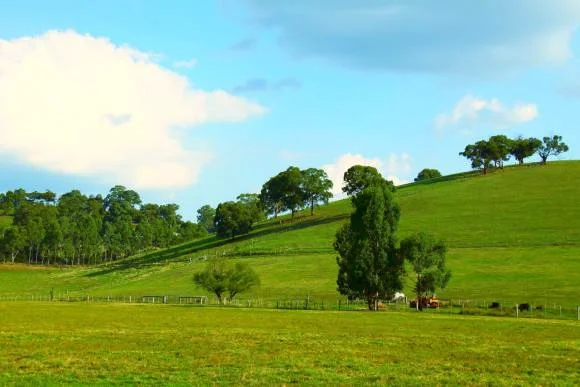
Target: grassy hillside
(513, 235)
(78, 344)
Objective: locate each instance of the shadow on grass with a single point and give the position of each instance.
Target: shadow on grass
(271, 227)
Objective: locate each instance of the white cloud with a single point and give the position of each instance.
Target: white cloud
(472, 111)
(185, 64)
(82, 105)
(392, 168)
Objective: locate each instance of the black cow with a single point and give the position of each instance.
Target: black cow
(522, 307)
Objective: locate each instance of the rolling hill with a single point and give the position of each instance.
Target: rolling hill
(513, 235)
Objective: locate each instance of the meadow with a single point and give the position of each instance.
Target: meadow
(58, 343)
(513, 236)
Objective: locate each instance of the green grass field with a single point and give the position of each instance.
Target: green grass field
(513, 235)
(51, 344)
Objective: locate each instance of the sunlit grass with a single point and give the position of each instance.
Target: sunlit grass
(43, 343)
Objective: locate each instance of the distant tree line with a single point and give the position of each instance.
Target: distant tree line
(289, 191)
(492, 153)
(79, 229)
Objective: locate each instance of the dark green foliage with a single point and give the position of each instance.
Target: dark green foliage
(427, 174)
(205, 218)
(552, 147)
(232, 218)
(499, 148)
(368, 264)
(252, 202)
(523, 148)
(359, 177)
(480, 155)
(80, 229)
(426, 254)
(271, 195)
(226, 279)
(316, 187)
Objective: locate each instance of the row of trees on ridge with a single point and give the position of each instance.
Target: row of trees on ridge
(492, 153)
(290, 190)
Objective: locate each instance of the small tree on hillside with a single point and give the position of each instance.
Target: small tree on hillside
(552, 147)
(316, 187)
(480, 155)
(226, 280)
(427, 174)
(427, 257)
(523, 148)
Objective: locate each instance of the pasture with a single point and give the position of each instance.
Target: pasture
(56, 343)
(513, 236)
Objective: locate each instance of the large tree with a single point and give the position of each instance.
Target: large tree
(427, 174)
(499, 148)
(480, 155)
(253, 204)
(522, 148)
(225, 279)
(271, 195)
(552, 146)
(232, 219)
(205, 217)
(316, 187)
(426, 254)
(359, 177)
(368, 264)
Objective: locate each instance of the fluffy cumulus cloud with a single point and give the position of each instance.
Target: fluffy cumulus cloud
(471, 112)
(81, 105)
(448, 36)
(395, 168)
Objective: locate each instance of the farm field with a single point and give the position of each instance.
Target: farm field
(513, 236)
(55, 343)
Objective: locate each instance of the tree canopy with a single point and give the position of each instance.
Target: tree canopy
(427, 174)
(359, 177)
(552, 146)
(426, 254)
(368, 264)
(316, 187)
(205, 218)
(226, 279)
(79, 229)
(293, 189)
(522, 148)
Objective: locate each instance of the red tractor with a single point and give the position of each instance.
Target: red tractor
(425, 302)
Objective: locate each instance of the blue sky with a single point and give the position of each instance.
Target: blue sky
(195, 102)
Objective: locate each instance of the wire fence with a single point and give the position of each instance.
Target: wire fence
(445, 306)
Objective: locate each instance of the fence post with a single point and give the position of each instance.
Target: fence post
(517, 310)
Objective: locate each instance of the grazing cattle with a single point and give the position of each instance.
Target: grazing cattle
(495, 305)
(399, 297)
(522, 307)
